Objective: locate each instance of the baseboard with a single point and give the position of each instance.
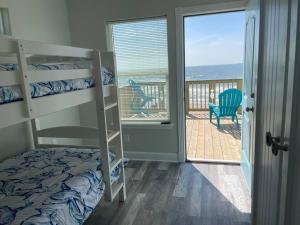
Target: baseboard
(151, 156)
(214, 161)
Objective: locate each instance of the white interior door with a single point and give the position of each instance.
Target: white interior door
(248, 109)
(269, 169)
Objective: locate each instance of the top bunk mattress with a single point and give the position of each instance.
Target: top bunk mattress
(14, 93)
(51, 186)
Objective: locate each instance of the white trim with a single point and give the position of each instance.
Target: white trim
(8, 45)
(110, 47)
(108, 35)
(136, 19)
(151, 156)
(67, 146)
(180, 85)
(53, 103)
(148, 125)
(34, 127)
(9, 78)
(69, 132)
(54, 75)
(212, 161)
(8, 59)
(180, 13)
(12, 114)
(5, 21)
(212, 8)
(40, 48)
(24, 79)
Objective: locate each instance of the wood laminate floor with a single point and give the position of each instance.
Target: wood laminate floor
(178, 194)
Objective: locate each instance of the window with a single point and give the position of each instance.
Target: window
(4, 22)
(141, 50)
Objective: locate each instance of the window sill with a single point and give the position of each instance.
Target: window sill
(147, 125)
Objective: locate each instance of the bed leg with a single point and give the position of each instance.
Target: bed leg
(122, 194)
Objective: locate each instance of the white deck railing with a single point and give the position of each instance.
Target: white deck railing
(157, 90)
(197, 94)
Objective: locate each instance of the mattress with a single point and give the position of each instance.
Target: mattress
(51, 186)
(14, 93)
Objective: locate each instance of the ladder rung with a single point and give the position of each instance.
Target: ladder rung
(111, 105)
(116, 189)
(113, 136)
(110, 85)
(115, 163)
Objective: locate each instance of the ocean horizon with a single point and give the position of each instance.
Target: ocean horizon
(192, 73)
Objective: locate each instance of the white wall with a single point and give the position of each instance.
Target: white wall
(40, 20)
(87, 24)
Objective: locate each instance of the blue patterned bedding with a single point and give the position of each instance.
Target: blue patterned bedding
(14, 93)
(51, 186)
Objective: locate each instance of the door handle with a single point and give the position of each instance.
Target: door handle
(248, 109)
(270, 140)
(275, 143)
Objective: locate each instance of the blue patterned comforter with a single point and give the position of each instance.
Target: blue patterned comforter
(14, 93)
(51, 186)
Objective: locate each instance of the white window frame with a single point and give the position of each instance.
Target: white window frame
(158, 124)
(5, 27)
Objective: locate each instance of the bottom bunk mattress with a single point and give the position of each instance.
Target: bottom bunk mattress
(51, 186)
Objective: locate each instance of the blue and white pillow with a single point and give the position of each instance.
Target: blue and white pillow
(107, 76)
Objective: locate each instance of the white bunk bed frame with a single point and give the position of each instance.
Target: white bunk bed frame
(30, 109)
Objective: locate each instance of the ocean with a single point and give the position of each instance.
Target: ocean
(214, 72)
(209, 72)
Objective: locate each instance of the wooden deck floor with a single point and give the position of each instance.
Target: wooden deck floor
(205, 141)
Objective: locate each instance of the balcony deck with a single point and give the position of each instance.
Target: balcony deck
(204, 141)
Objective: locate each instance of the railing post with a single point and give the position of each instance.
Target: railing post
(125, 96)
(161, 90)
(187, 97)
(239, 86)
(211, 92)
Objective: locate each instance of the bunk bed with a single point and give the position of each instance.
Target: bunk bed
(58, 184)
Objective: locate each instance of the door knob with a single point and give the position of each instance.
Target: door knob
(275, 143)
(270, 140)
(248, 109)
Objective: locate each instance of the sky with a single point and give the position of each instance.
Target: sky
(142, 45)
(214, 39)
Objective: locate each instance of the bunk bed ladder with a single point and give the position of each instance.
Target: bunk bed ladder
(105, 105)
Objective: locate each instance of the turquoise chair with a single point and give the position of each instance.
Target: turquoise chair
(229, 102)
(139, 101)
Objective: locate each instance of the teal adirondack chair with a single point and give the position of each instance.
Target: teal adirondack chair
(229, 102)
(139, 100)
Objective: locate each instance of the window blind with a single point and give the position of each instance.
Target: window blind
(141, 50)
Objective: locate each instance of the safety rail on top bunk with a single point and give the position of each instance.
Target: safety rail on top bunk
(18, 51)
